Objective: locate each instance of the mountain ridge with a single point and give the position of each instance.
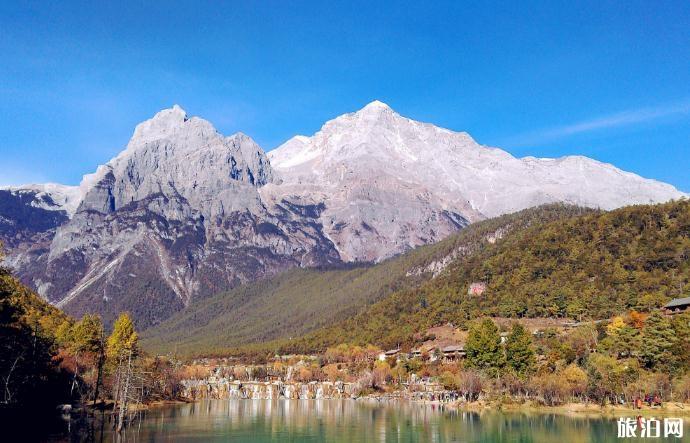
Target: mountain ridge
(552, 261)
(429, 181)
(184, 212)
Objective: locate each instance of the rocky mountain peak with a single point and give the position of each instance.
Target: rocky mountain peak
(174, 154)
(174, 124)
(375, 133)
(414, 182)
(374, 114)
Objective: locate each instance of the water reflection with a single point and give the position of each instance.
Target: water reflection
(352, 421)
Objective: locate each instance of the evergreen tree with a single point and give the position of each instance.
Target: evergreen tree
(622, 342)
(519, 352)
(658, 342)
(483, 347)
(681, 350)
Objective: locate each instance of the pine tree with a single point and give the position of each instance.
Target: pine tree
(658, 342)
(483, 347)
(681, 350)
(519, 353)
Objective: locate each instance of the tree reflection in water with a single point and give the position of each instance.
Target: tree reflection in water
(352, 421)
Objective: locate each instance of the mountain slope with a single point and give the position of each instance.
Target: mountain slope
(300, 301)
(174, 217)
(393, 183)
(590, 266)
(184, 212)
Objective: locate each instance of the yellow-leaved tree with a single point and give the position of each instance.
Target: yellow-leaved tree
(123, 339)
(122, 350)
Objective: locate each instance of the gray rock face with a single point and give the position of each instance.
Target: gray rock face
(176, 216)
(185, 212)
(175, 155)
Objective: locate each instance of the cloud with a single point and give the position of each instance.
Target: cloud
(624, 118)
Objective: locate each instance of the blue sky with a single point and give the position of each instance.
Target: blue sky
(610, 80)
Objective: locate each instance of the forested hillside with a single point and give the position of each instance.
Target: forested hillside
(590, 266)
(300, 301)
(29, 372)
(48, 359)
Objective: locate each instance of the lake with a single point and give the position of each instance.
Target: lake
(352, 421)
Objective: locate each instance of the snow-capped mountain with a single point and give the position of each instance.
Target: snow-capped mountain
(391, 183)
(184, 212)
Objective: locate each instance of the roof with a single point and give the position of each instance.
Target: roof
(678, 302)
(453, 348)
(392, 352)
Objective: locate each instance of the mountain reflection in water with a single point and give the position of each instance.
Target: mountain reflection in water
(349, 421)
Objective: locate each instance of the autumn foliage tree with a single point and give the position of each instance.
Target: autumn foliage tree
(124, 338)
(30, 374)
(84, 340)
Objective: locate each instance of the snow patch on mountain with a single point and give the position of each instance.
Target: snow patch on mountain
(50, 196)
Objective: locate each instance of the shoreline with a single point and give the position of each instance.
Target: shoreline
(136, 407)
(577, 409)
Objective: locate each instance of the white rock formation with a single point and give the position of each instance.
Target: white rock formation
(175, 216)
(172, 153)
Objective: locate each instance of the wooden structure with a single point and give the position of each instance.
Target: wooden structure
(389, 354)
(677, 306)
(453, 352)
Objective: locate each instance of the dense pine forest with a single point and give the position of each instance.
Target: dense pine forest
(608, 272)
(590, 266)
(554, 261)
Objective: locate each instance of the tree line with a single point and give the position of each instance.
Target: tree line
(615, 362)
(48, 359)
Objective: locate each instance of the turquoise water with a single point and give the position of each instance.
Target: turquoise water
(356, 421)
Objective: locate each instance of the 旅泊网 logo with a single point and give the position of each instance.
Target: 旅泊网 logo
(641, 427)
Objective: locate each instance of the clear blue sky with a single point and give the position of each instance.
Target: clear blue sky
(610, 80)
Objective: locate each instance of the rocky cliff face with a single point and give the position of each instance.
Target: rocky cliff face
(176, 216)
(184, 212)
